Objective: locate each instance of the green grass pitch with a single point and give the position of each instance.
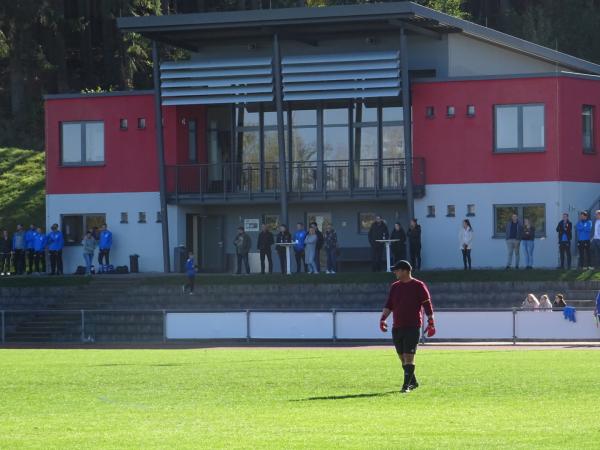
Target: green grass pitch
(298, 398)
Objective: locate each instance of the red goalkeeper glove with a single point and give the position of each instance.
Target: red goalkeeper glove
(430, 330)
(383, 325)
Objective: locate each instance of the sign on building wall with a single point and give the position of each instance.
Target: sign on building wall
(251, 225)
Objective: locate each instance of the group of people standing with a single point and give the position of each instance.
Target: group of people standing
(588, 240)
(307, 246)
(25, 251)
(378, 232)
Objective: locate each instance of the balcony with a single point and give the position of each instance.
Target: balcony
(314, 180)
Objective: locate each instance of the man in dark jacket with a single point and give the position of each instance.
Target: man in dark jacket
(514, 229)
(265, 242)
(320, 242)
(242, 245)
(5, 253)
(378, 231)
(565, 235)
(29, 240)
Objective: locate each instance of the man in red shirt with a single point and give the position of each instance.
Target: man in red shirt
(407, 297)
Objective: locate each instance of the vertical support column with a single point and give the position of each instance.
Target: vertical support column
(514, 325)
(334, 318)
(3, 332)
(160, 154)
(164, 314)
(82, 326)
(248, 335)
(406, 108)
(280, 131)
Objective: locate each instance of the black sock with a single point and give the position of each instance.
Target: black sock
(409, 372)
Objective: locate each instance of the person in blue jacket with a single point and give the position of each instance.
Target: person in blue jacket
(56, 242)
(104, 245)
(298, 240)
(39, 250)
(584, 234)
(190, 272)
(29, 238)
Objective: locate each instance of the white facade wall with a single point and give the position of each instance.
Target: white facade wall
(440, 233)
(468, 56)
(143, 239)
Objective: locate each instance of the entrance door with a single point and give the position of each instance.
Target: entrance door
(205, 238)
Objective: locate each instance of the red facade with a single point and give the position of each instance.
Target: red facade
(456, 149)
(461, 149)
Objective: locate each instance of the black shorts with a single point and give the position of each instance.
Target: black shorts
(406, 339)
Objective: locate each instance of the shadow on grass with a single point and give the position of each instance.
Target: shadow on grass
(347, 396)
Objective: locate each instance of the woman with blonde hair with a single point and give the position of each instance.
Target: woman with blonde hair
(545, 303)
(531, 302)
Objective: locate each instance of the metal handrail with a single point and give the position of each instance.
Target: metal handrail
(333, 311)
(319, 176)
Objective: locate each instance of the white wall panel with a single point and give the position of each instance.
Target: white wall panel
(360, 325)
(206, 325)
(552, 325)
(474, 325)
(291, 325)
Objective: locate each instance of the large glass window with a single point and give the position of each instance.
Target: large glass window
(366, 144)
(304, 149)
(587, 122)
(519, 128)
(82, 143)
(536, 213)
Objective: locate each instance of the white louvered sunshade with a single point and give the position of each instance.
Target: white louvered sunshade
(217, 81)
(362, 75)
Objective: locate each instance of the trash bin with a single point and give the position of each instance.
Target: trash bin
(134, 264)
(180, 256)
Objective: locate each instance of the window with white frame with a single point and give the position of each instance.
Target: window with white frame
(74, 226)
(519, 128)
(82, 143)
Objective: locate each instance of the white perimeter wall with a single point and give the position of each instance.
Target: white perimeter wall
(143, 239)
(469, 325)
(440, 233)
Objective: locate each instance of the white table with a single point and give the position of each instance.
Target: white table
(388, 243)
(288, 247)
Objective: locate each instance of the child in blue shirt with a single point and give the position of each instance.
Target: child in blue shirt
(190, 272)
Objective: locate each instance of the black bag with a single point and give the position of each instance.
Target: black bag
(121, 269)
(80, 270)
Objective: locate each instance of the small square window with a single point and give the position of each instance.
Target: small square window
(123, 124)
(450, 111)
(470, 110)
(141, 123)
(141, 217)
(430, 112)
(124, 217)
(470, 210)
(451, 211)
(158, 217)
(431, 211)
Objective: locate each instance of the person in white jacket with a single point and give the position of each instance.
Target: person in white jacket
(531, 302)
(465, 238)
(545, 303)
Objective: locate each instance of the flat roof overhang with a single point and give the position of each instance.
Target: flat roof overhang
(194, 31)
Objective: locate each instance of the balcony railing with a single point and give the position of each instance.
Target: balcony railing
(231, 180)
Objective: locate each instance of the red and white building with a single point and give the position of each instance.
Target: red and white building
(498, 124)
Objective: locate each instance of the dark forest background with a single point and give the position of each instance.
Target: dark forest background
(60, 46)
